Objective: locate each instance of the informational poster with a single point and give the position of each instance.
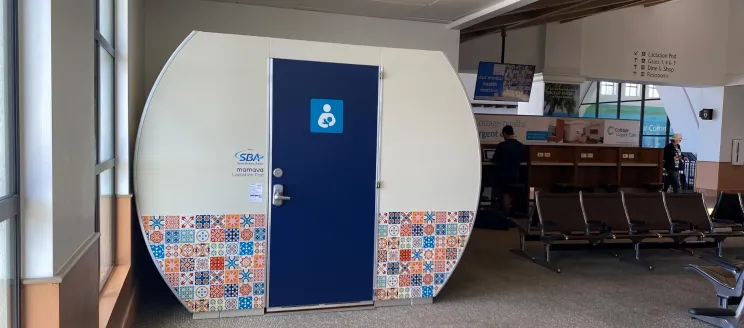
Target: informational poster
(562, 100)
(255, 193)
(504, 82)
(547, 130)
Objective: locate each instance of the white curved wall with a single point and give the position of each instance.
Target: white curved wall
(211, 101)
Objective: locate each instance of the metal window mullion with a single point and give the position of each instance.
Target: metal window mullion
(106, 165)
(105, 44)
(643, 114)
(9, 207)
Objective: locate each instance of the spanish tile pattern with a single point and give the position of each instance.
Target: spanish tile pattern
(212, 262)
(417, 251)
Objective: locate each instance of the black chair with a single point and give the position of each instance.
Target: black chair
(725, 276)
(609, 211)
(562, 218)
(648, 218)
(688, 210)
(728, 280)
(729, 208)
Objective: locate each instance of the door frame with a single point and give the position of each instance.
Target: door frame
(269, 194)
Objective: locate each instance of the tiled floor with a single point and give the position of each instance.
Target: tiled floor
(493, 288)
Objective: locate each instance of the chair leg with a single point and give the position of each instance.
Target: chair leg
(521, 251)
(546, 263)
(719, 247)
(637, 258)
(722, 302)
(723, 322)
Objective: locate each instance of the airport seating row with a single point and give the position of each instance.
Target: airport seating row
(638, 217)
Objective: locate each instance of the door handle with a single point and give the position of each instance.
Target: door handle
(278, 197)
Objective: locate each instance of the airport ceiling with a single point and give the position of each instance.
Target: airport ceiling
(474, 18)
(549, 11)
(437, 11)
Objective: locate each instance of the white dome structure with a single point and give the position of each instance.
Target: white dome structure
(284, 174)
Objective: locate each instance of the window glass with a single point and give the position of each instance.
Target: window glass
(6, 112)
(631, 91)
(630, 110)
(654, 119)
(106, 200)
(588, 111)
(589, 92)
(608, 91)
(652, 92)
(607, 110)
(106, 20)
(105, 106)
(653, 142)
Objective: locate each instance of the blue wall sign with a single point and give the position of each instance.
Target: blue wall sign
(326, 116)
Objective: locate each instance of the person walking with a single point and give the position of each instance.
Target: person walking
(673, 163)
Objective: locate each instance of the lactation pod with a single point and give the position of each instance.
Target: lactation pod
(277, 174)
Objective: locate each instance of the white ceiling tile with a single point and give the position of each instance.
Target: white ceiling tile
(332, 6)
(394, 10)
(451, 10)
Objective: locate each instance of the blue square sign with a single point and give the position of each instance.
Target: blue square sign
(326, 116)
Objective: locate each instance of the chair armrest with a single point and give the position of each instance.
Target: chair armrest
(552, 238)
(720, 262)
(723, 221)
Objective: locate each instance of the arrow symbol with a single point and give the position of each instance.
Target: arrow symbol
(636, 59)
(636, 53)
(635, 66)
(634, 73)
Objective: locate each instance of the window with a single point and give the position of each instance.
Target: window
(636, 102)
(9, 200)
(105, 136)
(632, 90)
(607, 88)
(631, 110)
(652, 92)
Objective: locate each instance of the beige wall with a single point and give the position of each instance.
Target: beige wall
(169, 22)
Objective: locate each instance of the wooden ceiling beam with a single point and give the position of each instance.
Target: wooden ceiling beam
(654, 3)
(542, 4)
(506, 19)
(565, 11)
(645, 3)
(582, 8)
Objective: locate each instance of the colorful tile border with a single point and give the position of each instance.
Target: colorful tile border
(417, 251)
(212, 262)
(217, 262)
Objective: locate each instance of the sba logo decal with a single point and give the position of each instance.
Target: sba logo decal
(248, 156)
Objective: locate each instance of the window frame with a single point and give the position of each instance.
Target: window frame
(628, 87)
(621, 86)
(100, 42)
(10, 204)
(605, 85)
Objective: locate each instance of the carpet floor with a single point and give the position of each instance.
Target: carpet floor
(493, 288)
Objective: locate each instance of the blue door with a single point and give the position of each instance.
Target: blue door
(324, 142)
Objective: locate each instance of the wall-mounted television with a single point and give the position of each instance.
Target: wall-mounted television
(504, 82)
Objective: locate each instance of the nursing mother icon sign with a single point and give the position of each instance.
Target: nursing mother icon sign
(326, 116)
